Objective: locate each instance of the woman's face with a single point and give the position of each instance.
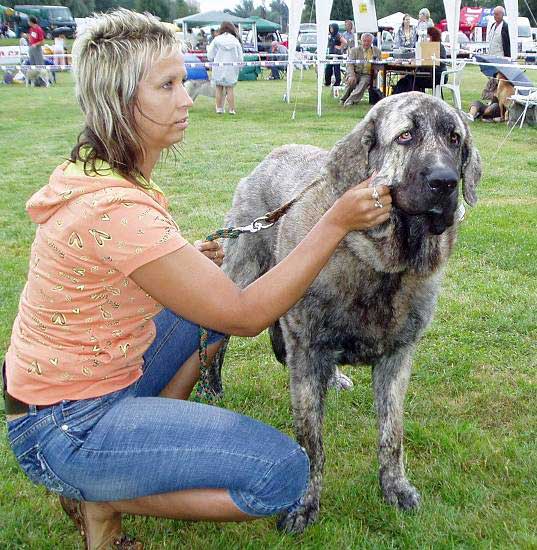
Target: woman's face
(162, 103)
(406, 20)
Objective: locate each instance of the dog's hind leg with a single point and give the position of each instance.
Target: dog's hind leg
(310, 372)
(390, 381)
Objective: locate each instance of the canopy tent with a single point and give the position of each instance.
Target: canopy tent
(216, 18)
(212, 18)
(453, 17)
(511, 9)
(395, 20)
(263, 25)
(469, 18)
(486, 15)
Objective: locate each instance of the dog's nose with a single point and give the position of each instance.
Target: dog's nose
(442, 180)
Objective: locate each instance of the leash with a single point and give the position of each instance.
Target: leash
(203, 390)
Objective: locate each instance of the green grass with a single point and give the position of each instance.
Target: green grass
(470, 418)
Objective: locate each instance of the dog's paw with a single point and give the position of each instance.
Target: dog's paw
(340, 382)
(297, 520)
(402, 494)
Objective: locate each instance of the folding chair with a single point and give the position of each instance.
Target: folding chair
(454, 86)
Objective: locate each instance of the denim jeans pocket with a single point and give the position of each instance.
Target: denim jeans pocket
(35, 466)
(77, 418)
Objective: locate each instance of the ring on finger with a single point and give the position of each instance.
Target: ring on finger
(375, 195)
(378, 204)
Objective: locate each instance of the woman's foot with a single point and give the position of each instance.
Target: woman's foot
(99, 524)
(220, 111)
(232, 112)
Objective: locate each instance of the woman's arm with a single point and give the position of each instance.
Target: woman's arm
(189, 284)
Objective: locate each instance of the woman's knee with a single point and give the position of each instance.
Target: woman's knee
(279, 489)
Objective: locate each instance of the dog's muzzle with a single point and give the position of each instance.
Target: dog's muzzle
(434, 199)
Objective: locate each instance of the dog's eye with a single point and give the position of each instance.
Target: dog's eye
(455, 138)
(405, 137)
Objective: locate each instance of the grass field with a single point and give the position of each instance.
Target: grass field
(470, 421)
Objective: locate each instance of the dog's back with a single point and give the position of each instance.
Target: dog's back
(283, 174)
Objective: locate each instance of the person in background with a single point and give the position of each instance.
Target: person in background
(226, 47)
(59, 50)
(212, 35)
(104, 349)
(406, 34)
(336, 46)
(348, 35)
(420, 83)
(499, 41)
(360, 75)
(487, 112)
(190, 39)
(202, 41)
(280, 54)
(23, 40)
(424, 22)
(36, 41)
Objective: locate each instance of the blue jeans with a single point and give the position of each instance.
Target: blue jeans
(131, 443)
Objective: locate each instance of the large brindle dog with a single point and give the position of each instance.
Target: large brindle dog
(376, 296)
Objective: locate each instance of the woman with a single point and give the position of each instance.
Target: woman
(102, 357)
(336, 46)
(406, 35)
(424, 23)
(419, 83)
(226, 47)
(488, 112)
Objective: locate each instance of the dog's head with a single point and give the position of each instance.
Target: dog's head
(421, 148)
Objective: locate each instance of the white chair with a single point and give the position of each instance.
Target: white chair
(527, 96)
(454, 86)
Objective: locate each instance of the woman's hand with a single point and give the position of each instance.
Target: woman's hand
(212, 250)
(361, 207)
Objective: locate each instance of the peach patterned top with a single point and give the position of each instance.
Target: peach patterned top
(83, 325)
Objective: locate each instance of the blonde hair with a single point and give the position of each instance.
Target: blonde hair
(109, 61)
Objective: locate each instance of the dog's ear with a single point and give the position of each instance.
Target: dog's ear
(470, 169)
(348, 161)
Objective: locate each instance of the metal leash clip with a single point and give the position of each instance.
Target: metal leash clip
(255, 226)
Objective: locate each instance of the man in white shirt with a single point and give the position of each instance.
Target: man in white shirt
(499, 41)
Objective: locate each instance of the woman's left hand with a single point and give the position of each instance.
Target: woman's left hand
(212, 250)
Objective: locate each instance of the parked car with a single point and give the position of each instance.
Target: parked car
(466, 47)
(50, 18)
(264, 40)
(386, 41)
(307, 42)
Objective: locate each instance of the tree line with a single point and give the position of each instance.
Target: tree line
(167, 10)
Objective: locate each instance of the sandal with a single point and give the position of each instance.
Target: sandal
(74, 509)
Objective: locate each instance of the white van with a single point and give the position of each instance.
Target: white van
(525, 39)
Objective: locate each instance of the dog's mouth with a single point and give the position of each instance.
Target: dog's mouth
(436, 219)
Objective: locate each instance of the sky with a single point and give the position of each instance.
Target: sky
(220, 5)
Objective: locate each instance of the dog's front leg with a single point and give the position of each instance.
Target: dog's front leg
(390, 381)
(310, 374)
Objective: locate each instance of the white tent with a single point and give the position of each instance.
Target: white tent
(295, 12)
(322, 11)
(453, 18)
(365, 16)
(395, 20)
(511, 9)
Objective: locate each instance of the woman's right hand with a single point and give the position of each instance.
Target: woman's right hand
(359, 209)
